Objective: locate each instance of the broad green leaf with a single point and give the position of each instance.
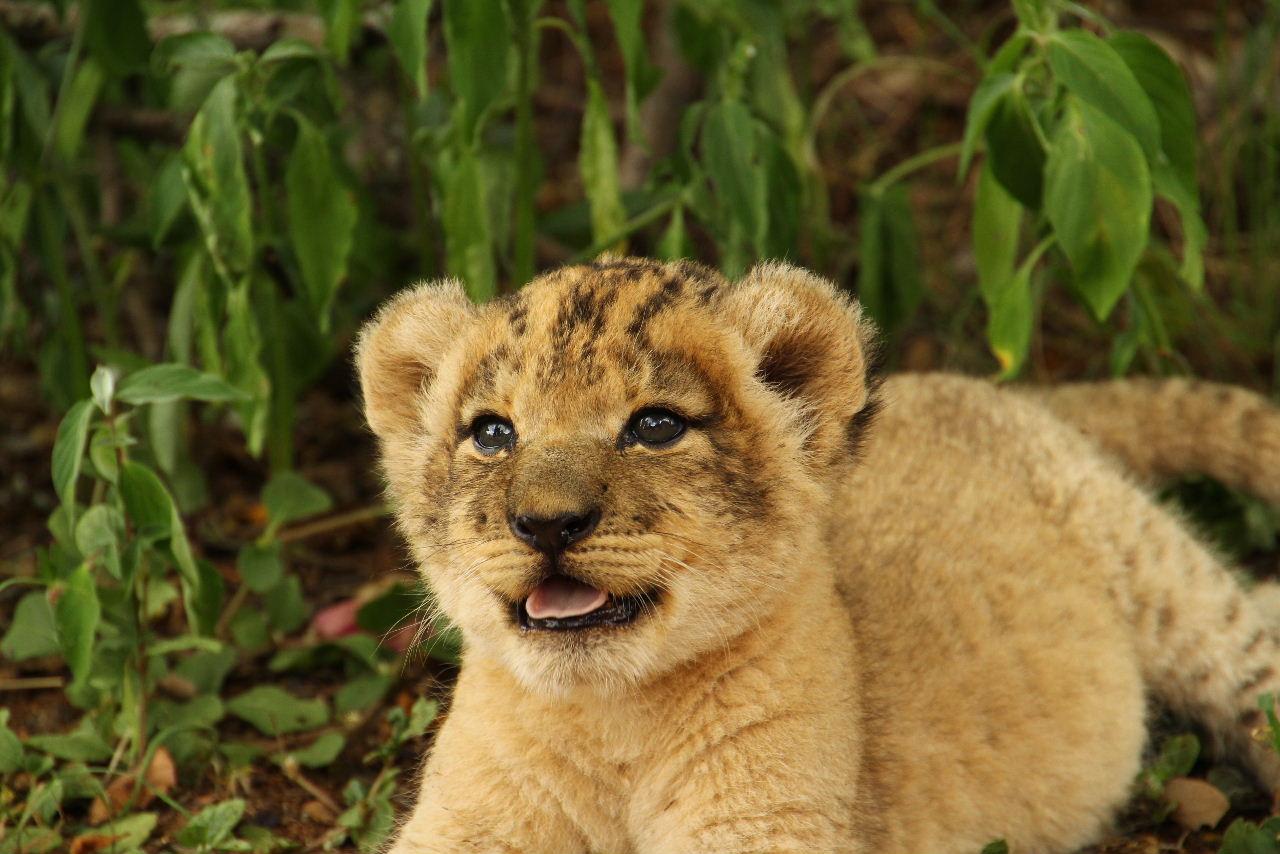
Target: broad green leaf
(10, 750)
(194, 63)
(1195, 234)
(1015, 154)
(212, 826)
(76, 614)
(1245, 837)
(1098, 199)
(467, 237)
(1033, 14)
(74, 108)
(981, 108)
(198, 712)
(318, 754)
(216, 182)
(260, 566)
(32, 840)
(997, 217)
(83, 745)
(361, 693)
(185, 643)
(1177, 757)
(322, 218)
(98, 535)
(478, 39)
(250, 632)
(68, 454)
(32, 634)
(276, 712)
(731, 158)
(407, 33)
(1167, 90)
(1095, 73)
(115, 31)
(287, 610)
(172, 381)
(997, 847)
(391, 610)
(421, 715)
(889, 282)
(242, 345)
(289, 496)
(598, 163)
(146, 501)
(128, 833)
(289, 49)
(207, 670)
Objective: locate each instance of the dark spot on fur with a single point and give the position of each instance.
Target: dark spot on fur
(1255, 641)
(1233, 611)
(1259, 676)
(665, 295)
(1252, 718)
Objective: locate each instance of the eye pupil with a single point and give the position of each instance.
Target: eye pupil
(492, 434)
(656, 427)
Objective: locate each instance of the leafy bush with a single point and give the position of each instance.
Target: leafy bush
(234, 184)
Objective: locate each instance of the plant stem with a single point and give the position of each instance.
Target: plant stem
(631, 226)
(526, 150)
(333, 523)
(913, 164)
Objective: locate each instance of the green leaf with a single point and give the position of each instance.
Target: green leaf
(260, 566)
(731, 159)
(1195, 234)
(1167, 90)
(321, 752)
(889, 283)
(288, 496)
(72, 116)
(146, 501)
(84, 745)
(997, 847)
(68, 454)
(102, 385)
(1098, 199)
(207, 670)
(32, 840)
(467, 238)
(76, 614)
(628, 26)
(322, 218)
(173, 381)
(982, 107)
(407, 33)
(1094, 72)
(115, 31)
(1033, 14)
(1014, 152)
(10, 746)
(477, 35)
(276, 712)
(33, 633)
(216, 182)
(98, 535)
(598, 163)
(361, 693)
(997, 218)
(212, 826)
(342, 22)
(674, 243)
(1244, 837)
(128, 833)
(194, 63)
(287, 610)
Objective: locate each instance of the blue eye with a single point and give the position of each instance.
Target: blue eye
(492, 434)
(655, 427)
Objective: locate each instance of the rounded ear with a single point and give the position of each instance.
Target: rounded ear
(812, 345)
(399, 350)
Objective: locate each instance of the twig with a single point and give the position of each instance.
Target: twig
(295, 774)
(333, 523)
(32, 683)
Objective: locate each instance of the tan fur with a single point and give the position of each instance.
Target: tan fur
(914, 632)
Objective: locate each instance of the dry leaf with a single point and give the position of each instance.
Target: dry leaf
(91, 843)
(161, 777)
(318, 812)
(1199, 804)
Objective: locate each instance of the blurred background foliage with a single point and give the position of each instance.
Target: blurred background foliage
(202, 199)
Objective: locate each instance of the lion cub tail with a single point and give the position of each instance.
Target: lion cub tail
(1163, 428)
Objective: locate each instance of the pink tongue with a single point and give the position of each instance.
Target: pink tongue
(560, 596)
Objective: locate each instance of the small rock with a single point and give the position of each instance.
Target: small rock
(1197, 803)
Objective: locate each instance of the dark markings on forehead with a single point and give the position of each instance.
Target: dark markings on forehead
(670, 289)
(483, 377)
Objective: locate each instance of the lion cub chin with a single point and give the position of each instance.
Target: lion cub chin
(721, 593)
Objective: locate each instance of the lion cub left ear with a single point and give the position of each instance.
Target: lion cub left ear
(399, 352)
(812, 345)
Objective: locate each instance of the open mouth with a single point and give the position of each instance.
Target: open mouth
(561, 603)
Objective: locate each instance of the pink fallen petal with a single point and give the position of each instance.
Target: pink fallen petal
(336, 621)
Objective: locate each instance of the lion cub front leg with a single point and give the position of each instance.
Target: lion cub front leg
(755, 786)
(469, 802)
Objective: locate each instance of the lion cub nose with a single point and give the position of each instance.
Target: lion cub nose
(553, 534)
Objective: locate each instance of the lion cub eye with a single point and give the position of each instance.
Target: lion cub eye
(492, 434)
(655, 427)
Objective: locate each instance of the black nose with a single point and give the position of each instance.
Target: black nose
(553, 534)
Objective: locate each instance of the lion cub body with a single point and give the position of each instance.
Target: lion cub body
(909, 618)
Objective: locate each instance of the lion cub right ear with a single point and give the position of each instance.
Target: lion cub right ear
(399, 351)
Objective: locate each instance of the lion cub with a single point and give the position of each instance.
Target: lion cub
(720, 593)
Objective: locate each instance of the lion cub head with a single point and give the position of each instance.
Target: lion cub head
(620, 467)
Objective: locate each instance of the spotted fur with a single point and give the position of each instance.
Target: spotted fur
(905, 616)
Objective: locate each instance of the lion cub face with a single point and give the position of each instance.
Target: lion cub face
(621, 466)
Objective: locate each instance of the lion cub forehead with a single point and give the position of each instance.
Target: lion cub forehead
(615, 331)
